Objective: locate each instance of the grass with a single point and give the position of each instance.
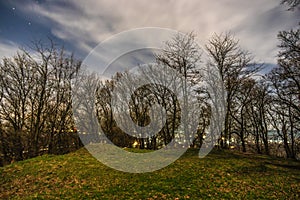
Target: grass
(220, 175)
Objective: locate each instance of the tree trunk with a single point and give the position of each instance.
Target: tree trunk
(243, 144)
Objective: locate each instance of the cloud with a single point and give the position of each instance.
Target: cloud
(8, 49)
(259, 34)
(87, 23)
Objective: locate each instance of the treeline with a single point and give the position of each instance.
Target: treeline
(262, 111)
(182, 55)
(35, 103)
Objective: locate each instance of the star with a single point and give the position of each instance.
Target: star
(13, 8)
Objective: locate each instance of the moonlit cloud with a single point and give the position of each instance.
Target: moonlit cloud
(84, 24)
(8, 49)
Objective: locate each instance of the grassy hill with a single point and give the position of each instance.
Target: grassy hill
(220, 175)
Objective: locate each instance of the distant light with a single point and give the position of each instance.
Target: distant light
(135, 144)
(14, 8)
(29, 23)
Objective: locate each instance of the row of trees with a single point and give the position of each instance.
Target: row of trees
(35, 103)
(143, 98)
(261, 109)
(262, 112)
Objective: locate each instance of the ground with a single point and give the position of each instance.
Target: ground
(220, 175)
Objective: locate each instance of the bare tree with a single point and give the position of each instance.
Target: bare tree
(285, 81)
(17, 81)
(291, 3)
(35, 108)
(257, 111)
(234, 65)
(239, 110)
(183, 54)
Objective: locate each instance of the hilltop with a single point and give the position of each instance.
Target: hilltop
(221, 174)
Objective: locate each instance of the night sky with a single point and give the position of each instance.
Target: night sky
(19, 28)
(81, 25)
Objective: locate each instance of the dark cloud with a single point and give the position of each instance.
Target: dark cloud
(84, 24)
